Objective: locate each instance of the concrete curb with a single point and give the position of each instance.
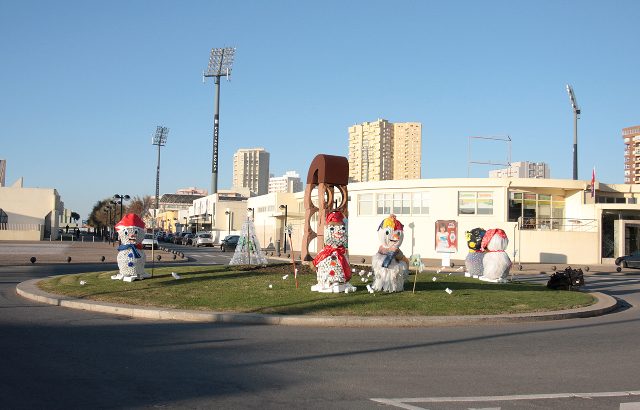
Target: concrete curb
(30, 290)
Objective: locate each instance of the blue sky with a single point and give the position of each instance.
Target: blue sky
(83, 85)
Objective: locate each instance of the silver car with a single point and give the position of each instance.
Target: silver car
(149, 241)
(202, 239)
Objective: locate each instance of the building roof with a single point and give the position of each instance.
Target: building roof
(178, 199)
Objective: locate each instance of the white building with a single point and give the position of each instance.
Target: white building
(289, 182)
(29, 214)
(523, 169)
(546, 220)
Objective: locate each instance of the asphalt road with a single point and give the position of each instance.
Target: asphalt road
(55, 357)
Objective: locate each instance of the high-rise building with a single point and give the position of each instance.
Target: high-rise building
(407, 150)
(376, 154)
(631, 137)
(289, 182)
(251, 170)
(3, 171)
(524, 169)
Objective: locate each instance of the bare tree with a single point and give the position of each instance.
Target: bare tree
(140, 205)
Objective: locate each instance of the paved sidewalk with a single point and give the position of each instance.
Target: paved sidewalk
(13, 253)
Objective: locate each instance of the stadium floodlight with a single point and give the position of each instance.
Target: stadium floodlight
(159, 139)
(576, 115)
(220, 63)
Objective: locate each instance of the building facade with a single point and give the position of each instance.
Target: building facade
(251, 170)
(524, 169)
(376, 153)
(31, 214)
(289, 182)
(631, 137)
(407, 150)
(546, 220)
(3, 171)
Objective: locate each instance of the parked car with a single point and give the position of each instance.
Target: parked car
(629, 261)
(177, 239)
(149, 241)
(202, 239)
(229, 243)
(169, 237)
(187, 239)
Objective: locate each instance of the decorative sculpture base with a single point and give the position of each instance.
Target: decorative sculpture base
(334, 288)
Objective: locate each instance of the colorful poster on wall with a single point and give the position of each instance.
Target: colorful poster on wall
(446, 236)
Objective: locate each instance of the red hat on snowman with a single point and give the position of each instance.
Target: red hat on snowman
(335, 217)
(130, 220)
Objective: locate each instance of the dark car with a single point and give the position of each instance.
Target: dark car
(177, 239)
(629, 261)
(187, 239)
(229, 243)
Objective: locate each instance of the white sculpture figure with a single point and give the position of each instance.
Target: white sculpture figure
(473, 261)
(248, 251)
(130, 256)
(390, 266)
(496, 262)
(332, 267)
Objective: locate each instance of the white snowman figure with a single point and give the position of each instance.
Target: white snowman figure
(332, 267)
(131, 257)
(389, 264)
(496, 262)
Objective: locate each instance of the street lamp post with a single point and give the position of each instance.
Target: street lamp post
(576, 115)
(220, 62)
(228, 213)
(121, 198)
(284, 227)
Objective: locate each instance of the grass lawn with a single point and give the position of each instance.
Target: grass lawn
(263, 290)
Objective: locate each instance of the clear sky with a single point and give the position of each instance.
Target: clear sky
(83, 85)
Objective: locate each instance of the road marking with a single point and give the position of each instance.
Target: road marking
(403, 403)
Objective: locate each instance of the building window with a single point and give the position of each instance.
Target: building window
(538, 211)
(399, 203)
(475, 203)
(365, 204)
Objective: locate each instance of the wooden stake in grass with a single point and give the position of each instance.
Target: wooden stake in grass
(415, 261)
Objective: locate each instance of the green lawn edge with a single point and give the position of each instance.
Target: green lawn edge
(272, 290)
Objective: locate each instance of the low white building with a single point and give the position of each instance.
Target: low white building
(29, 214)
(546, 220)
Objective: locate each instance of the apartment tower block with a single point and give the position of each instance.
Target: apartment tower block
(631, 137)
(381, 150)
(251, 170)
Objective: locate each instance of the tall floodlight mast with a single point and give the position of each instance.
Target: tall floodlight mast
(220, 64)
(160, 139)
(576, 115)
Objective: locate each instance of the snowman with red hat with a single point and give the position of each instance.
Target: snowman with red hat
(130, 256)
(332, 267)
(496, 262)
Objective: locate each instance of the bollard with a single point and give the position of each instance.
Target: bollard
(33, 259)
(68, 259)
(102, 259)
(158, 257)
